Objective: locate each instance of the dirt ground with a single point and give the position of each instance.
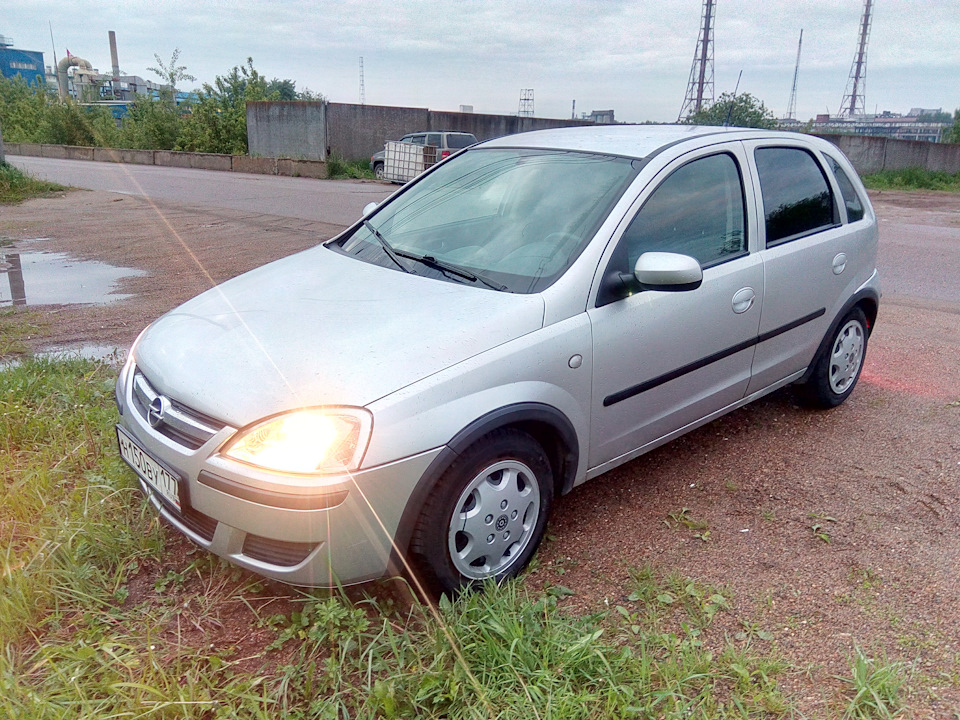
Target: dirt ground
(829, 530)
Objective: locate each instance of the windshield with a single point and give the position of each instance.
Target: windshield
(509, 219)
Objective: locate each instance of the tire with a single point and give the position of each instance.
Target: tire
(378, 171)
(487, 515)
(838, 368)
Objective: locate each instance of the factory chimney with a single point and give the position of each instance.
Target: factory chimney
(113, 54)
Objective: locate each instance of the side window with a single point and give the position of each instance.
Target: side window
(698, 211)
(850, 197)
(435, 140)
(796, 196)
(417, 139)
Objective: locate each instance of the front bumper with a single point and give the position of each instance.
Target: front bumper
(318, 532)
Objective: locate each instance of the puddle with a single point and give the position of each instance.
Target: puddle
(47, 278)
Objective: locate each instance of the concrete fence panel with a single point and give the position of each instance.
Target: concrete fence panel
(58, 152)
(210, 161)
(906, 154)
(120, 155)
(287, 129)
(944, 157)
(172, 158)
(76, 152)
(257, 165)
(358, 131)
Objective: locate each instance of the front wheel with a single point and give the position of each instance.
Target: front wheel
(838, 369)
(488, 514)
(378, 171)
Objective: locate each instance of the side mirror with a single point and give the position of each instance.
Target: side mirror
(368, 208)
(667, 272)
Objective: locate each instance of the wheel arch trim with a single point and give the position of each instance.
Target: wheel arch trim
(868, 298)
(520, 415)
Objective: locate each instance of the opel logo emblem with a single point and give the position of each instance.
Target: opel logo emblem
(158, 410)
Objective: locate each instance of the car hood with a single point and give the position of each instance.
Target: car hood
(320, 328)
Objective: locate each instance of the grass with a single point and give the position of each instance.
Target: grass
(104, 614)
(16, 186)
(339, 168)
(913, 179)
(16, 327)
(873, 689)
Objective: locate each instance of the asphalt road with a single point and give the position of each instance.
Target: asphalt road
(333, 201)
(917, 262)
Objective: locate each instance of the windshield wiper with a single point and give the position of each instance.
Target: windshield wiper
(387, 248)
(451, 269)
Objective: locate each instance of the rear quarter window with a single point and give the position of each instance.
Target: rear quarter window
(797, 199)
(455, 142)
(851, 199)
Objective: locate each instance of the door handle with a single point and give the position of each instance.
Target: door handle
(743, 300)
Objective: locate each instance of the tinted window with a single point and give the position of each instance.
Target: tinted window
(434, 139)
(698, 211)
(850, 197)
(796, 196)
(460, 141)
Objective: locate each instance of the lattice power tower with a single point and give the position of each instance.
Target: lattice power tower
(854, 102)
(792, 104)
(526, 103)
(700, 86)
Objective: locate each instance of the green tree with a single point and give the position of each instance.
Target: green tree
(218, 119)
(150, 125)
(743, 110)
(171, 74)
(22, 109)
(282, 89)
(952, 135)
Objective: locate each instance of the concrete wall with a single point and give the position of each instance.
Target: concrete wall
(292, 129)
(287, 129)
(171, 158)
(358, 131)
(873, 154)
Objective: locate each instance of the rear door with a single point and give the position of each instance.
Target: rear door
(805, 251)
(664, 360)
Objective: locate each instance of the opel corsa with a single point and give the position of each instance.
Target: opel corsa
(530, 313)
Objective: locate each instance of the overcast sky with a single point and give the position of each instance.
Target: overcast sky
(632, 56)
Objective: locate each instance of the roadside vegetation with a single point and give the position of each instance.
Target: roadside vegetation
(338, 168)
(913, 179)
(212, 119)
(16, 186)
(106, 613)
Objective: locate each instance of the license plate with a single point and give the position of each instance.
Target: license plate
(155, 475)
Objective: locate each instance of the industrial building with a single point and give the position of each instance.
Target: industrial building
(28, 64)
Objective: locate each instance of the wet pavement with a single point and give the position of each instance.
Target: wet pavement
(49, 278)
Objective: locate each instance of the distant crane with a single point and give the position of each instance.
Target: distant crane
(792, 105)
(700, 86)
(854, 102)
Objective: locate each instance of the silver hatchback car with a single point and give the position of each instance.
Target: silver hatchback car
(538, 309)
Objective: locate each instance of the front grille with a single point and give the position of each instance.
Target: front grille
(276, 552)
(179, 423)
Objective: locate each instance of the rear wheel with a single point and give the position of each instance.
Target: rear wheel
(488, 514)
(838, 369)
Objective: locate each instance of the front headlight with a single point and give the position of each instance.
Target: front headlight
(312, 441)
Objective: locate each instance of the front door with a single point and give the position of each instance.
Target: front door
(664, 360)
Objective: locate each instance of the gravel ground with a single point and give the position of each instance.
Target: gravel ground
(879, 476)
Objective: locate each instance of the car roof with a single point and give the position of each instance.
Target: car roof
(639, 141)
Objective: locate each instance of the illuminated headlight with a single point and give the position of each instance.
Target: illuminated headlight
(312, 441)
